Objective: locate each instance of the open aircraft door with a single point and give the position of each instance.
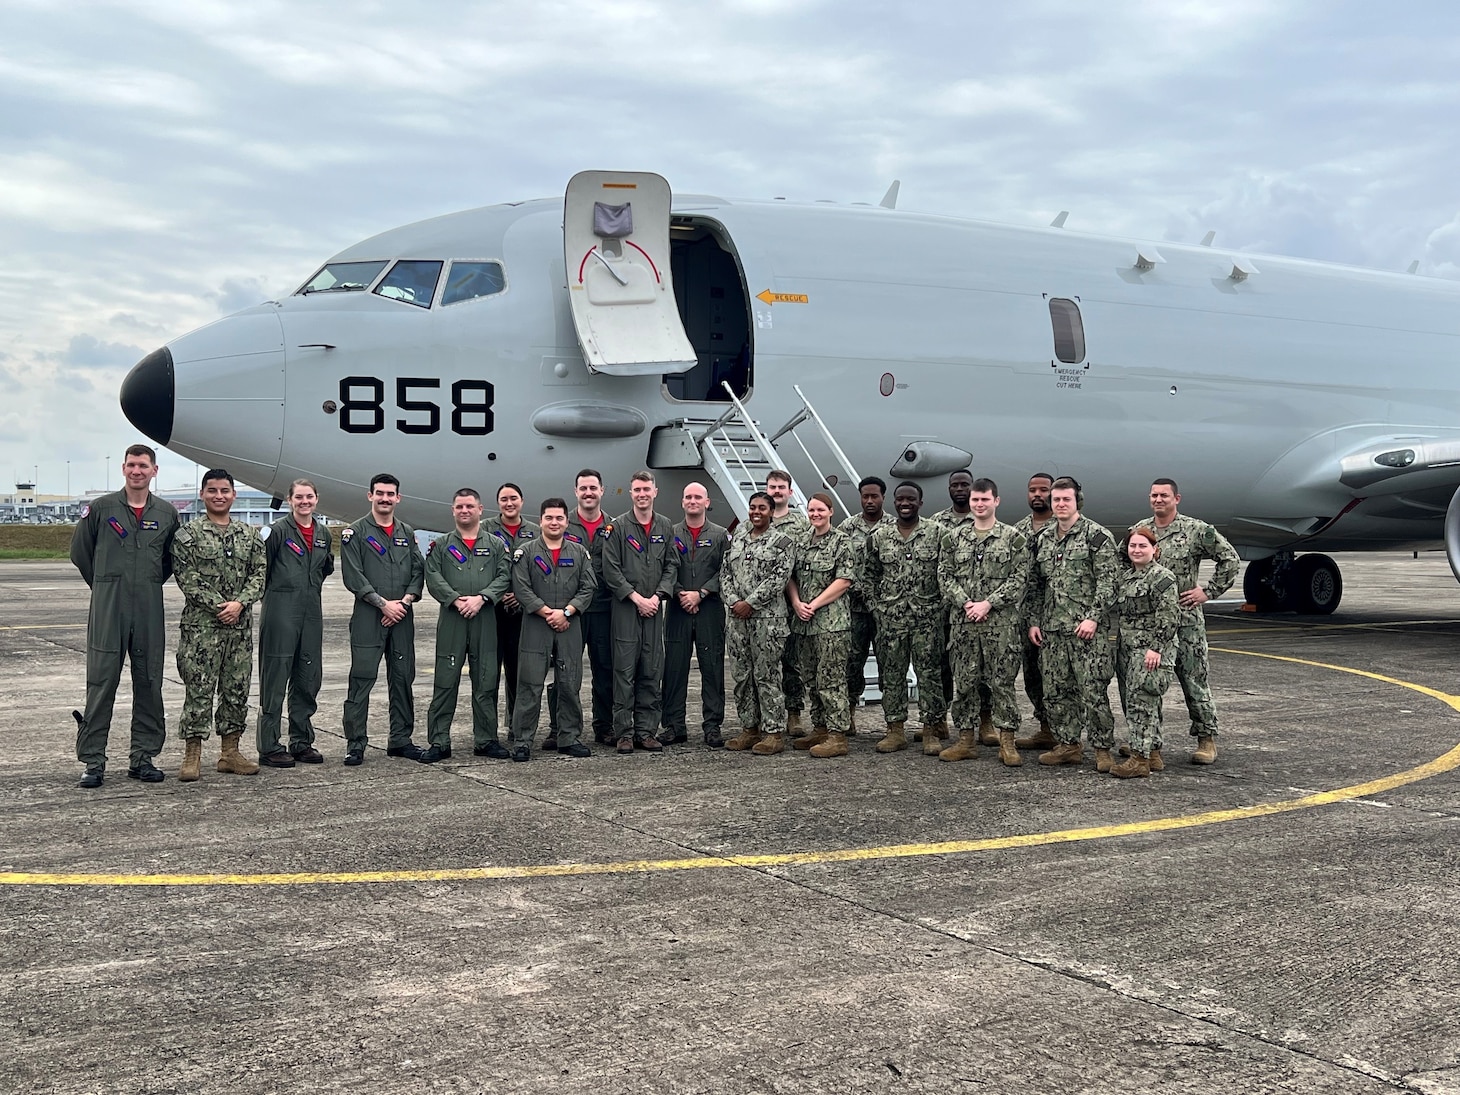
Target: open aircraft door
(616, 250)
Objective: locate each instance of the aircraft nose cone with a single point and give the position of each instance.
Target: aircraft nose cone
(147, 395)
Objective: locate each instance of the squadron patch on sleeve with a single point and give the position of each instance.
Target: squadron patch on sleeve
(346, 533)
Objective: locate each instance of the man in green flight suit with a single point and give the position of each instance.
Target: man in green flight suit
(220, 567)
(123, 548)
(467, 572)
(383, 568)
(291, 630)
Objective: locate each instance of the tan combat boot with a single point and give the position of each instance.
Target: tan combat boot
(835, 745)
(1206, 750)
(1133, 767)
(769, 745)
(895, 738)
(1007, 753)
(1156, 763)
(934, 736)
(1042, 740)
(1103, 760)
(192, 765)
(1071, 752)
(234, 761)
(987, 735)
(811, 740)
(965, 748)
(747, 737)
(793, 724)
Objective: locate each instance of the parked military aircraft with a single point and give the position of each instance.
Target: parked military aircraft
(1302, 407)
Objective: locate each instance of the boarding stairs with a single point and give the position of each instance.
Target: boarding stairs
(738, 454)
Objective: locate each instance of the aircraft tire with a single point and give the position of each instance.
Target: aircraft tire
(1316, 585)
(1263, 591)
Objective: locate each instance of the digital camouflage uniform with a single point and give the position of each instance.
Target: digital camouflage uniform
(985, 655)
(597, 632)
(825, 642)
(700, 557)
(950, 519)
(390, 566)
(538, 583)
(797, 526)
(1072, 579)
(1147, 613)
(455, 569)
(756, 571)
(509, 619)
(291, 634)
(902, 586)
(215, 564)
(864, 623)
(1184, 543)
(1033, 682)
(125, 560)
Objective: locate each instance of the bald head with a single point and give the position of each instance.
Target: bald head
(695, 501)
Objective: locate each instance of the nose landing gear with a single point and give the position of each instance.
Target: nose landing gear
(1310, 585)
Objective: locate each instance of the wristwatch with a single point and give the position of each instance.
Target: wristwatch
(568, 612)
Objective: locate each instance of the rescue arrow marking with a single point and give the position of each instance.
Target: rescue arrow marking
(765, 296)
(1446, 762)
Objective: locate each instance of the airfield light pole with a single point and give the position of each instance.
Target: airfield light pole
(108, 472)
(68, 480)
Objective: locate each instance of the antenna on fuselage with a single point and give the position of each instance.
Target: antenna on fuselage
(1060, 218)
(889, 200)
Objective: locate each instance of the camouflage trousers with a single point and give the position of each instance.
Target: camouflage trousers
(824, 672)
(1141, 690)
(1076, 674)
(1191, 671)
(861, 637)
(923, 650)
(985, 663)
(757, 646)
(793, 688)
(214, 661)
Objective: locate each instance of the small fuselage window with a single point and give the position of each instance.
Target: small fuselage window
(411, 280)
(469, 280)
(343, 277)
(1069, 330)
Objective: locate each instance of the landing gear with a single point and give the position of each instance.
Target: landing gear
(1307, 584)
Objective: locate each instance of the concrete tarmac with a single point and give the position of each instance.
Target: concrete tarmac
(700, 921)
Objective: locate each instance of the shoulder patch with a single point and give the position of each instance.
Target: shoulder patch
(518, 554)
(345, 534)
(185, 535)
(86, 510)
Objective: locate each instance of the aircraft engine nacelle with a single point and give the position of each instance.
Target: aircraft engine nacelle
(1452, 534)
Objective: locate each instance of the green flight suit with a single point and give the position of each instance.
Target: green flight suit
(214, 564)
(391, 566)
(125, 559)
(538, 581)
(597, 632)
(646, 564)
(509, 617)
(699, 556)
(455, 569)
(291, 633)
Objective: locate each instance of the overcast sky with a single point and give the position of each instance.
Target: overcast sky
(164, 163)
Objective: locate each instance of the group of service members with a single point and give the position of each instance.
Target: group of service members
(960, 597)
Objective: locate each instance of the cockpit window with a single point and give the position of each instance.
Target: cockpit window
(469, 280)
(411, 280)
(343, 277)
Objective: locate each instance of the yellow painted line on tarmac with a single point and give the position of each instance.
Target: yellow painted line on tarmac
(1446, 762)
(43, 627)
(1301, 627)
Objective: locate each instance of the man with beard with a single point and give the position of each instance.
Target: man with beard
(1038, 517)
(960, 486)
(794, 524)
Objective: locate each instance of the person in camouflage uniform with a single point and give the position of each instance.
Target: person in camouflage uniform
(122, 547)
(793, 523)
(901, 573)
(960, 485)
(983, 565)
(220, 566)
(1038, 516)
(1184, 543)
(753, 585)
(467, 572)
(1147, 613)
(824, 571)
(873, 493)
(1072, 588)
(291, 630)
